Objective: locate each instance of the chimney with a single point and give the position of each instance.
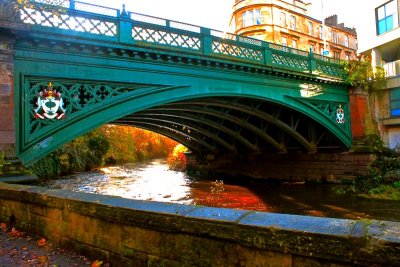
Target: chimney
(331, 21)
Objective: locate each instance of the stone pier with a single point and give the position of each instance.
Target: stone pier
(7, 125)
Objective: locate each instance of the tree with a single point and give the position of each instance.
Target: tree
(361, 74)
(9, 9)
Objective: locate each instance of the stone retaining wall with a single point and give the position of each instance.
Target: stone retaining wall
(139, 233)
(330, 167)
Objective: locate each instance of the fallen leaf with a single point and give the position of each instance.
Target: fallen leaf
(96, 263)
(24, 248)
(13, 252)
(42, 259)
(15, 233)
(3, 227)
(41, 242)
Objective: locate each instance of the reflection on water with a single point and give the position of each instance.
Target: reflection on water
(153, 181)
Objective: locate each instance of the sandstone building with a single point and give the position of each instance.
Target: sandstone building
(288, 23)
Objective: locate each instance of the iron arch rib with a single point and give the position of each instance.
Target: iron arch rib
(309, 146)
(193, 118)
(192, 127)
(169, 128)
(177, 138)
(238, 121)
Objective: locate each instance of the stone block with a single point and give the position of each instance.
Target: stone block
(5, 89)
(132, 240)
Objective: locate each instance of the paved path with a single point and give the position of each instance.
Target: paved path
(18, 249)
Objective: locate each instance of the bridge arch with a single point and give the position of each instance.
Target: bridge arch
(209, 90)
(204, 118)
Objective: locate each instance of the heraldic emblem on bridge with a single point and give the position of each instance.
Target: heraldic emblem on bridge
(212, 91)
(49, 104)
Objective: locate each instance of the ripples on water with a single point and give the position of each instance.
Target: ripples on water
(155, 182)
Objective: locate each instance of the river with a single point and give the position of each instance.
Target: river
(153, 181)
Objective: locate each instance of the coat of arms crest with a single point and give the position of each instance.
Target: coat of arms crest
(49, 104)
(340, 115)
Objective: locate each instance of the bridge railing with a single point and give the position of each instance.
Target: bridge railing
(128, 28)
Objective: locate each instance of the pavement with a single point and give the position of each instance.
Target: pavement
(19, 249)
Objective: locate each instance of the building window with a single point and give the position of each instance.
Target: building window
(321, 49)
(257, 16)
(312, 48)
(335, 38)
(395, 102)
(251, 17)
(283, 19)
(292, 22)
(336, 54)
(284, 41)
(346, 40)
(294, 43)
(347, 56)
(387, 17)
(321, 32)
(310, 28)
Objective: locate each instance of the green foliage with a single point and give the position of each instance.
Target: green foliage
(362, 74)
(9, 9)
(384, 177)
(129, 144)
(81, 154)
(176, 159)
(109, 144)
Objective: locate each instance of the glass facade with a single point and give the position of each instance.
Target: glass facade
(395, 102)
(387, 17)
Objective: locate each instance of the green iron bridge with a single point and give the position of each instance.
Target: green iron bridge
(214, 92)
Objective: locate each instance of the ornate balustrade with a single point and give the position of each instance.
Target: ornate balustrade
(128, 28)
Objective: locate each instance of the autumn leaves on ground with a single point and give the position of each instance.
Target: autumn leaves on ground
(21, 249)
(110, 144)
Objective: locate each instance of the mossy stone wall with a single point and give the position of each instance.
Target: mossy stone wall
(138, 233)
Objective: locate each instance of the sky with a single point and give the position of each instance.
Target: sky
(216, 14)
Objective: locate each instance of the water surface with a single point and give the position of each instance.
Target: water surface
(155, 182)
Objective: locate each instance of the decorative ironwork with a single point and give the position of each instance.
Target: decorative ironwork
(331, 110)
(49, 104)
(219, 47)
(163, 37)
(340, 115)
(330, 69)
(68, 22)
(249, 40)
(62, 3)
(76, 97)
(289, 60)
(103, 21)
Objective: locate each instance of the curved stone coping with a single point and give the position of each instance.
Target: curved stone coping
(341, 240)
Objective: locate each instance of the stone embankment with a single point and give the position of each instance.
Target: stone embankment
(127, 232)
